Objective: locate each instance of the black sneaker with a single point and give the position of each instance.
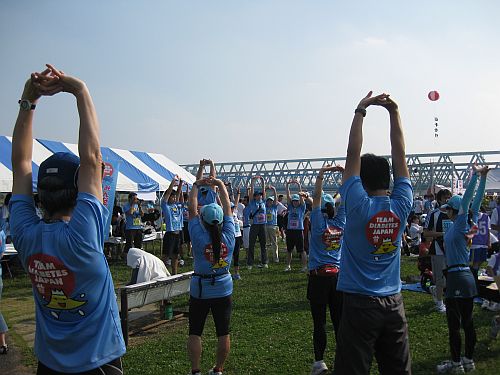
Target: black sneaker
(4, 349)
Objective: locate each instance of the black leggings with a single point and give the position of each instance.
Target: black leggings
(322, 293)
(236, 252)
(111, 368)
(459, 312)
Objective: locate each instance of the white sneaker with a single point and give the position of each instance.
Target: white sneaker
(468, 364)
(212, 372)
(304, 269)
(266, 265)
(288, 269)
(485, 304)
(249, 267)
(318, 368)
(441, 307)
(260, 265)
(181, 262)
(450, 367)
(494, 306)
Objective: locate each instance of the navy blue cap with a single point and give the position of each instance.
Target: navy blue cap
(62, 165)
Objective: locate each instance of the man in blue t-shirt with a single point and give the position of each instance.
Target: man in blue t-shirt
(172, 208)
(258, 219)
(133, 222)
(373, 320)
(272, 224)
(295, 226)
(77, 322)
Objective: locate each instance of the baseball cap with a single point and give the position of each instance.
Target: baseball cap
(295, 197)
(257, 192)
(327, 198)
(204, 189)
(212, 213)
(454, 202)
(62, 165)
(232, 205)
(270, 199)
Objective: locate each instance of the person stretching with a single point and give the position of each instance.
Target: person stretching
(212, 238)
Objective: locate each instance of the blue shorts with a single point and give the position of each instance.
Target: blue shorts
(478, 255)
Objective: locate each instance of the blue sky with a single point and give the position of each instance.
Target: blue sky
(254, 80)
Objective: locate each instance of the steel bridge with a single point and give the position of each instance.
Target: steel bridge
(426, 170)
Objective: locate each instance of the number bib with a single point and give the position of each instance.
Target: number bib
(260, 218)
(293, 224)
(137, 222)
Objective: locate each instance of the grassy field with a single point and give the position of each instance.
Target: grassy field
(272, 328)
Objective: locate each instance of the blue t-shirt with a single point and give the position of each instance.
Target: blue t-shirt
(296, 217)
(272, 214)
(185, 214)
(246, 216)
(370, 261)
(457, 244)
(203, 258)
(132, 220)
(326, 238)
(77, 322)
(210, 197)
(2, 247)
(172, 214)
(258, 211)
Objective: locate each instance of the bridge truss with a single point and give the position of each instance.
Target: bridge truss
(426, 170)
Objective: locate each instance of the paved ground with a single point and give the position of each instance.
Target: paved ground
(10, 364)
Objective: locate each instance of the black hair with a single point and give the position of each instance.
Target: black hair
(54, 197)
(131, 195)
(7, 199)
(329, 210)
(215, 231)
(375, 172)
(442, 193)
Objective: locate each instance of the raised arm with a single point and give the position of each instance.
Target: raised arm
(167, 194)
(224, 196)
(318, 186)
(263, 188)
(398, 155)
(238, 196)
(483, 172)
(201, 167)
(22, 139)
(469, 192)
(252, 181)
(212, 168)
(193, 197)
(353, 158)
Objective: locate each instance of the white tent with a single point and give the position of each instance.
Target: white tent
(139, 171)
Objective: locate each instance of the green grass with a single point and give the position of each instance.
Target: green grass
(271, 328)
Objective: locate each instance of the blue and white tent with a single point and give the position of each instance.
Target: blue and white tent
(139, 171)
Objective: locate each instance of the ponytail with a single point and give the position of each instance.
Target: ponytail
(215, 231)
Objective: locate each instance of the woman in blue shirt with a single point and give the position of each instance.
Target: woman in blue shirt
(77, 323)
(460, 282)
(172, 208)
(295, 226)
(212, 238)
(324, 265)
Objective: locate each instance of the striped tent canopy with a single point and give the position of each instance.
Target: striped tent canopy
(139, 171)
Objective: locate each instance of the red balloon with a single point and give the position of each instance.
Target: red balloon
(433, 96)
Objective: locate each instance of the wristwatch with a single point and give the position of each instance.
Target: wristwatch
(26, 105)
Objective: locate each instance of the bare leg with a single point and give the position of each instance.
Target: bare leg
(303, 257)
(175, 263)
(194, 351)
(223, 346)
(288, 258)
(2, 339)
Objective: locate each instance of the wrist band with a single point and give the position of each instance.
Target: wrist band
(361, 111)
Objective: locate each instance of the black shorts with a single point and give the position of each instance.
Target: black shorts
(171, 243)
(113, 367)
(295, 238)
(221, 312)
(185, 233)
(281, 222)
